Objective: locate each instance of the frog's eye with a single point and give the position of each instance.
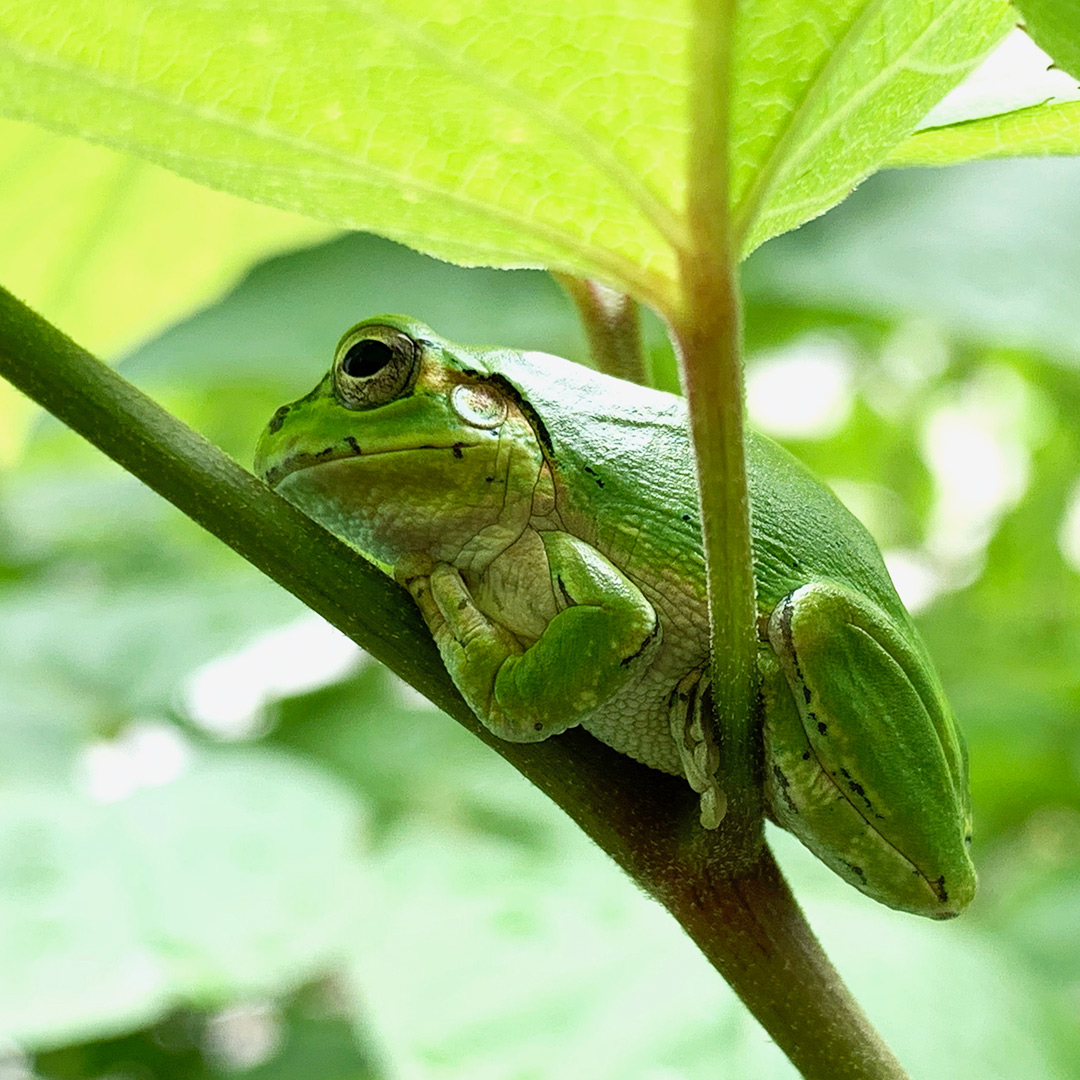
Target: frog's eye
(374, 365)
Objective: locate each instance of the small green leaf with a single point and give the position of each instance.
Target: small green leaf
(1055, 26)
(1053, 128)
(834, 88)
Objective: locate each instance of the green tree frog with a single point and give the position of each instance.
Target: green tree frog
(544, 518)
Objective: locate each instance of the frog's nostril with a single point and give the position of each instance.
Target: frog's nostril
(277, 420)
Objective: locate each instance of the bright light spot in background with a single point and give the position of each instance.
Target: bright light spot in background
(13, 1064)
(226, 696)
(916, 579)
(147, 753)
(243, 1036)
(1069, 537)
(803, 391)
(913, 354)
(975, 448)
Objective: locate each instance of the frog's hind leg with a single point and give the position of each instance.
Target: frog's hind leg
(864, 761)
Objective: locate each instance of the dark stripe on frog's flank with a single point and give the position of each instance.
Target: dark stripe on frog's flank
(570, 602)
(536, 422)
(856, 787)
(787, 613)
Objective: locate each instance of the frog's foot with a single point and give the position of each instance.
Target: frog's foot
(416, 564)
(473, 647)
(693, 727)
(413, 572)
(603, 635)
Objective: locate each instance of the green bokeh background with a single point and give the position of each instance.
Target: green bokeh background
(352, 886)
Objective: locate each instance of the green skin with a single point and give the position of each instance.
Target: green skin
(544, 518)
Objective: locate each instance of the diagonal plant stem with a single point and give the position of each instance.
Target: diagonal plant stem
(612, 325)
(707, 335)
(740, 913)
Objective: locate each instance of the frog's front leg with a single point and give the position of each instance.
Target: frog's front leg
(603, 633)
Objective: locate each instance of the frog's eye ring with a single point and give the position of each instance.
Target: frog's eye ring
(374, 365)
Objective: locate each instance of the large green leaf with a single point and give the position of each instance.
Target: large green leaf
(238, 878)
(111, 249)
(486, 134)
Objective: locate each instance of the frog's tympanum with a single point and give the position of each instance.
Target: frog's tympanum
(544, 518)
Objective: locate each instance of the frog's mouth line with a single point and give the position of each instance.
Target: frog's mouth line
(350, 450)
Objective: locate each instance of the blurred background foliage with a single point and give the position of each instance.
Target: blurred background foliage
(231, 847)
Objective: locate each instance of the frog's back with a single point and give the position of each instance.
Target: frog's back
(624, 455)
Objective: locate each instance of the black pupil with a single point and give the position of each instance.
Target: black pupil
(366, 358)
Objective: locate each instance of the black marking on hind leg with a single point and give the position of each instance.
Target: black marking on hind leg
(784, 783)
(649, 639)
(562, 588)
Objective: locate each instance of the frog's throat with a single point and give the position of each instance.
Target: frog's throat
(349, 448)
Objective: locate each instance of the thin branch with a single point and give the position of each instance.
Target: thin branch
(741, 914)
(612, 325)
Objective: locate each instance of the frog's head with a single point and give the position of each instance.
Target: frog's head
(407, 445)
